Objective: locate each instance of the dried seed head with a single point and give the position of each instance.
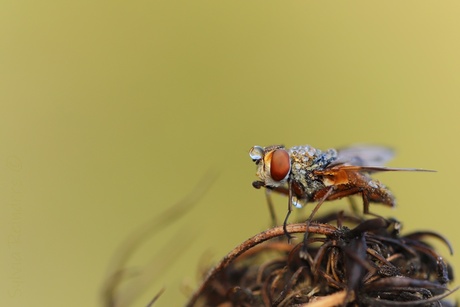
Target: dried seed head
(364, 263)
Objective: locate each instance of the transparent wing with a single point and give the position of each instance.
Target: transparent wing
(371, 169)
(364, 155)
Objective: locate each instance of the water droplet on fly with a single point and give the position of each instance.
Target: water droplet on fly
(296, 203)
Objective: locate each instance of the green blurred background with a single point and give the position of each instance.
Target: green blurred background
(112, 111)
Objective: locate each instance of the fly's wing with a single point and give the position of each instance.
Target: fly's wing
(346, 174)
(364, 155)
(374, 169)
(368, 159)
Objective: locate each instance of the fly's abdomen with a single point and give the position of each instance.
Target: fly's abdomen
(376, 192)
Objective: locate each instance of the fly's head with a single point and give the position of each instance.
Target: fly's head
(273, 165)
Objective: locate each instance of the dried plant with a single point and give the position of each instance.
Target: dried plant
(351, 261)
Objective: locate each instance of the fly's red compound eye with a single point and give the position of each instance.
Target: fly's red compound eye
(280, 164)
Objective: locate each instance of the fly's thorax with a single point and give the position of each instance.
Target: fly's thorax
(305, 159)
(311, 158)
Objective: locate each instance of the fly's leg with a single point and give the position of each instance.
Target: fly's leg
(366, 208)
(365, 203)
(288, 235)
(303, 252)
(271, 208)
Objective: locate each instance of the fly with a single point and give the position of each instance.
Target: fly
(306, 174)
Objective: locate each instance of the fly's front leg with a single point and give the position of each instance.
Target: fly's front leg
(260, 184)
(288, 235)
(271, 207)
(268, 190)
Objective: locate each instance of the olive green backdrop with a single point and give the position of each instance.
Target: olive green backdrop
(112, 111)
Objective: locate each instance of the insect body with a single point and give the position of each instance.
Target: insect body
(308, 174)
